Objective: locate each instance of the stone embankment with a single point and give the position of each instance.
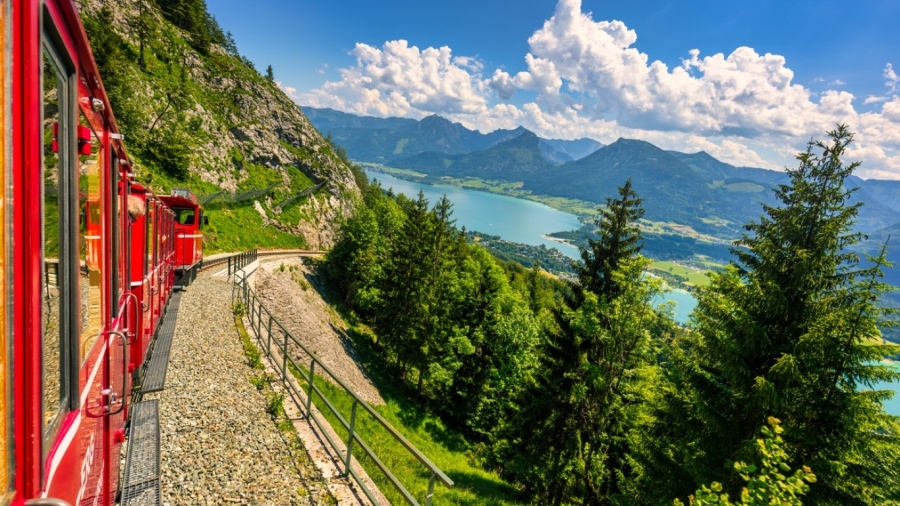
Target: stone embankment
(218, 443)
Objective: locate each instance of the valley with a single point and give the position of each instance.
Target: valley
(695, 204)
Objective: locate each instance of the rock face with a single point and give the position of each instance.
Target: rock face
(234, 123)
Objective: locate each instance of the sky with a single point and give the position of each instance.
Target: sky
(749, 82)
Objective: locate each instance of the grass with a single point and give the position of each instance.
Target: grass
(443, 446)
(693, 277)
(447, 449)
(240, 227)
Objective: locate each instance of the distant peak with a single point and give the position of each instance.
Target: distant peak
(434, 118)
(621, 141)
(524, 132)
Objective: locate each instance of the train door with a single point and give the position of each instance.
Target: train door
(123, 322)
(137, 210)
(69, 307)
(153, 266)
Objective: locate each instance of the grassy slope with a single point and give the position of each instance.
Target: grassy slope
(694, 277)
(446, 449)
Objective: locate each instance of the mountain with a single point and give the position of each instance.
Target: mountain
(196, 113)
(696, 189)
(513, 160)
(561, 151)
(673, 191)
(386, 140)
(885, 192)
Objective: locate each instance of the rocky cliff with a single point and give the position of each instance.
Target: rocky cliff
(196, 113)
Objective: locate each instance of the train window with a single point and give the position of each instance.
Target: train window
(57, 158)
(184, 216)
(90, 251)
(120, 208)
(151, 233)
(5, 284)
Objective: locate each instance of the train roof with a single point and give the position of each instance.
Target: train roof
(181, 197)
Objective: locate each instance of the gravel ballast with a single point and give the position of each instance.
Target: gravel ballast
(218, 443)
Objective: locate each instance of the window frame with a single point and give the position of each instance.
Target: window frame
(53, 50)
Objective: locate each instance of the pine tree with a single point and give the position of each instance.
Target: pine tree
(620, 238)
(405, 312)
(270, 76)
(790, 330)
(573, 430)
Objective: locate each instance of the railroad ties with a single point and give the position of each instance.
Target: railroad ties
(141, 485)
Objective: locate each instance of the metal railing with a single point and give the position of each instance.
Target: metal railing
(241, 260)
(279, 344)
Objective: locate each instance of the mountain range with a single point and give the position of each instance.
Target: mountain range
(386, 140)
(689, 189)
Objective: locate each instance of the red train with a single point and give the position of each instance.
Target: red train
(88, 259)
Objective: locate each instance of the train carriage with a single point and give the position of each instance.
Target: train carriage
(188, 245)
(87, 263)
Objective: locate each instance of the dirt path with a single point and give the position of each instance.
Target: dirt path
(285, 287)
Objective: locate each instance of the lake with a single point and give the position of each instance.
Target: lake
(513, 219)
(524, 221)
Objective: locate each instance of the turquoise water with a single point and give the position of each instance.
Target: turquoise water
(892, 406)
(684, 303)
(513, 219)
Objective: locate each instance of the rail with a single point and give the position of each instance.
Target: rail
(241, 260)
(271, 333)
(210, 262)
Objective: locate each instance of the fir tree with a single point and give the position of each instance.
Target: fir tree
(790, 330)
(573, 431)
(405, 311)
(620, 238)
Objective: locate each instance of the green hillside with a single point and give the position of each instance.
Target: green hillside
(195, 113)
(511, 160)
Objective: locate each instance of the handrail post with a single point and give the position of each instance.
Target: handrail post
(269, 336)
(258, 317)
(430, 493)
(284, 354)
(229, 267)
(251, 309)
(312, 372)
(350, 438)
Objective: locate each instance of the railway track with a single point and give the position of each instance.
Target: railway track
(223, 259)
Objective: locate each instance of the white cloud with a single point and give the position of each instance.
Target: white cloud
(588, 78)
(401, 80)
(290, 91)
(891, 110)
(891, 77)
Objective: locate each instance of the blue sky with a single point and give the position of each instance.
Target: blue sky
(747, 81)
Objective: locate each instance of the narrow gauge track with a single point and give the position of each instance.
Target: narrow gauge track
(223, 259)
